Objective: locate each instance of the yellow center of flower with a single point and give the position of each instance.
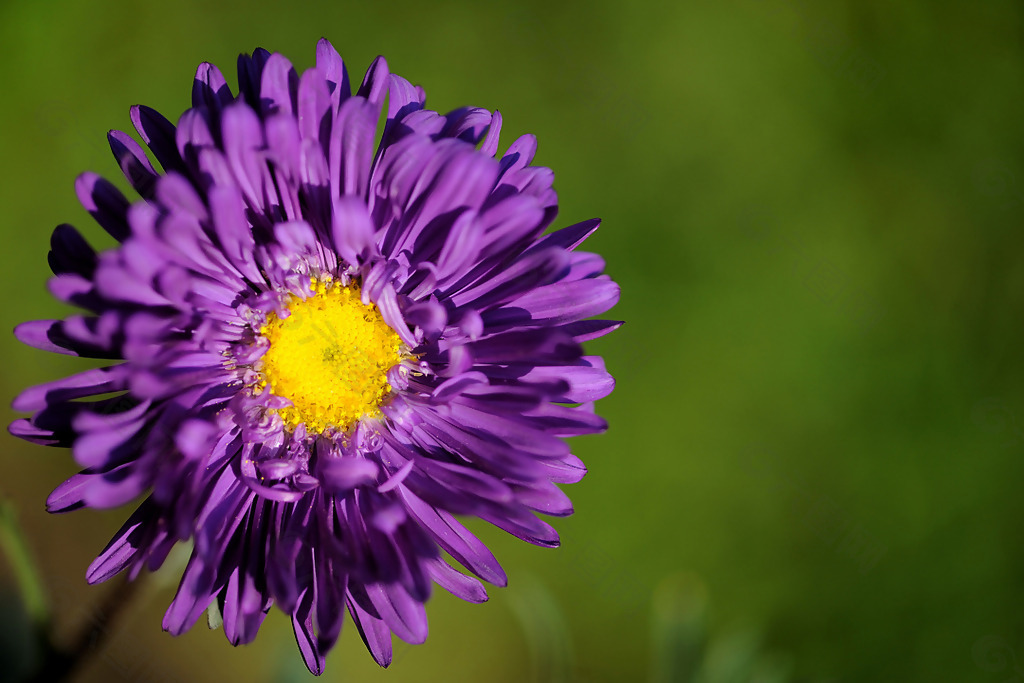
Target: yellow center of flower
(330, 358)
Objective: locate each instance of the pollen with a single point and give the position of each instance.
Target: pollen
(329, 357)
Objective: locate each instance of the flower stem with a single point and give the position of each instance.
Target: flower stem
(57, 663)
(26, 574)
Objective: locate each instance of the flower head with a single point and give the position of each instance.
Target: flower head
(320, 351)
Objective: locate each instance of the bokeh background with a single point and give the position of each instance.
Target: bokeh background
(813, 471)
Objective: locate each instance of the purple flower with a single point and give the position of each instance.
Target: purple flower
(320, 351)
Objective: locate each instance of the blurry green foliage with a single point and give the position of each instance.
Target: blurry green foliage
(815, 214)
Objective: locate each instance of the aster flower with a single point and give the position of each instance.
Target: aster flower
(321, 351)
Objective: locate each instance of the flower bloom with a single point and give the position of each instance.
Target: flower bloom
(321, 351)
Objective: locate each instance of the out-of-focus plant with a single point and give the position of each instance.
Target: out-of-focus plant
(684, 648)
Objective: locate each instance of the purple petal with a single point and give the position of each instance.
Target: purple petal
(351, 149)
(456, 540)
(587, 330)
(302, 625)
(375, 633)
(88, 383)
(375, 84)
(519, 154)
(250, 71)
(279, 85)
(467, 123)
(105, 203)
(404, 615)
(569, 238)
(70, 253)
(123, 547)
(330, 64)
(158, 133)
(47, 335)
(210, 89)
(134, 163)
(403, 99)
(233, 231)
(455, 582)
(314, 105)
(351, 229)
(346, 473)
(557, 303)
(243, 138)
(68, 495)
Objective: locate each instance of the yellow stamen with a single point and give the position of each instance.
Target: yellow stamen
(330, 358)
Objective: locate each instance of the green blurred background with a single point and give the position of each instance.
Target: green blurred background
(814, 462)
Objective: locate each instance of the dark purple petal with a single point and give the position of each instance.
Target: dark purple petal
(588, 330)
(569, 238)
(70, 253)
(527, 272)
(584, 381)
(374, 631)
(105, 203)
(468, 123)
(198, 587)
(158, 134)
(88, 383)
(47, 335)
(557, 303)
(106, 448)
(279, 85)
(210, 89)
(250, 71)
(123, 547)
(523, 525)
(133, 161)
(456, 540)
(302, 624)
(524, 346)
